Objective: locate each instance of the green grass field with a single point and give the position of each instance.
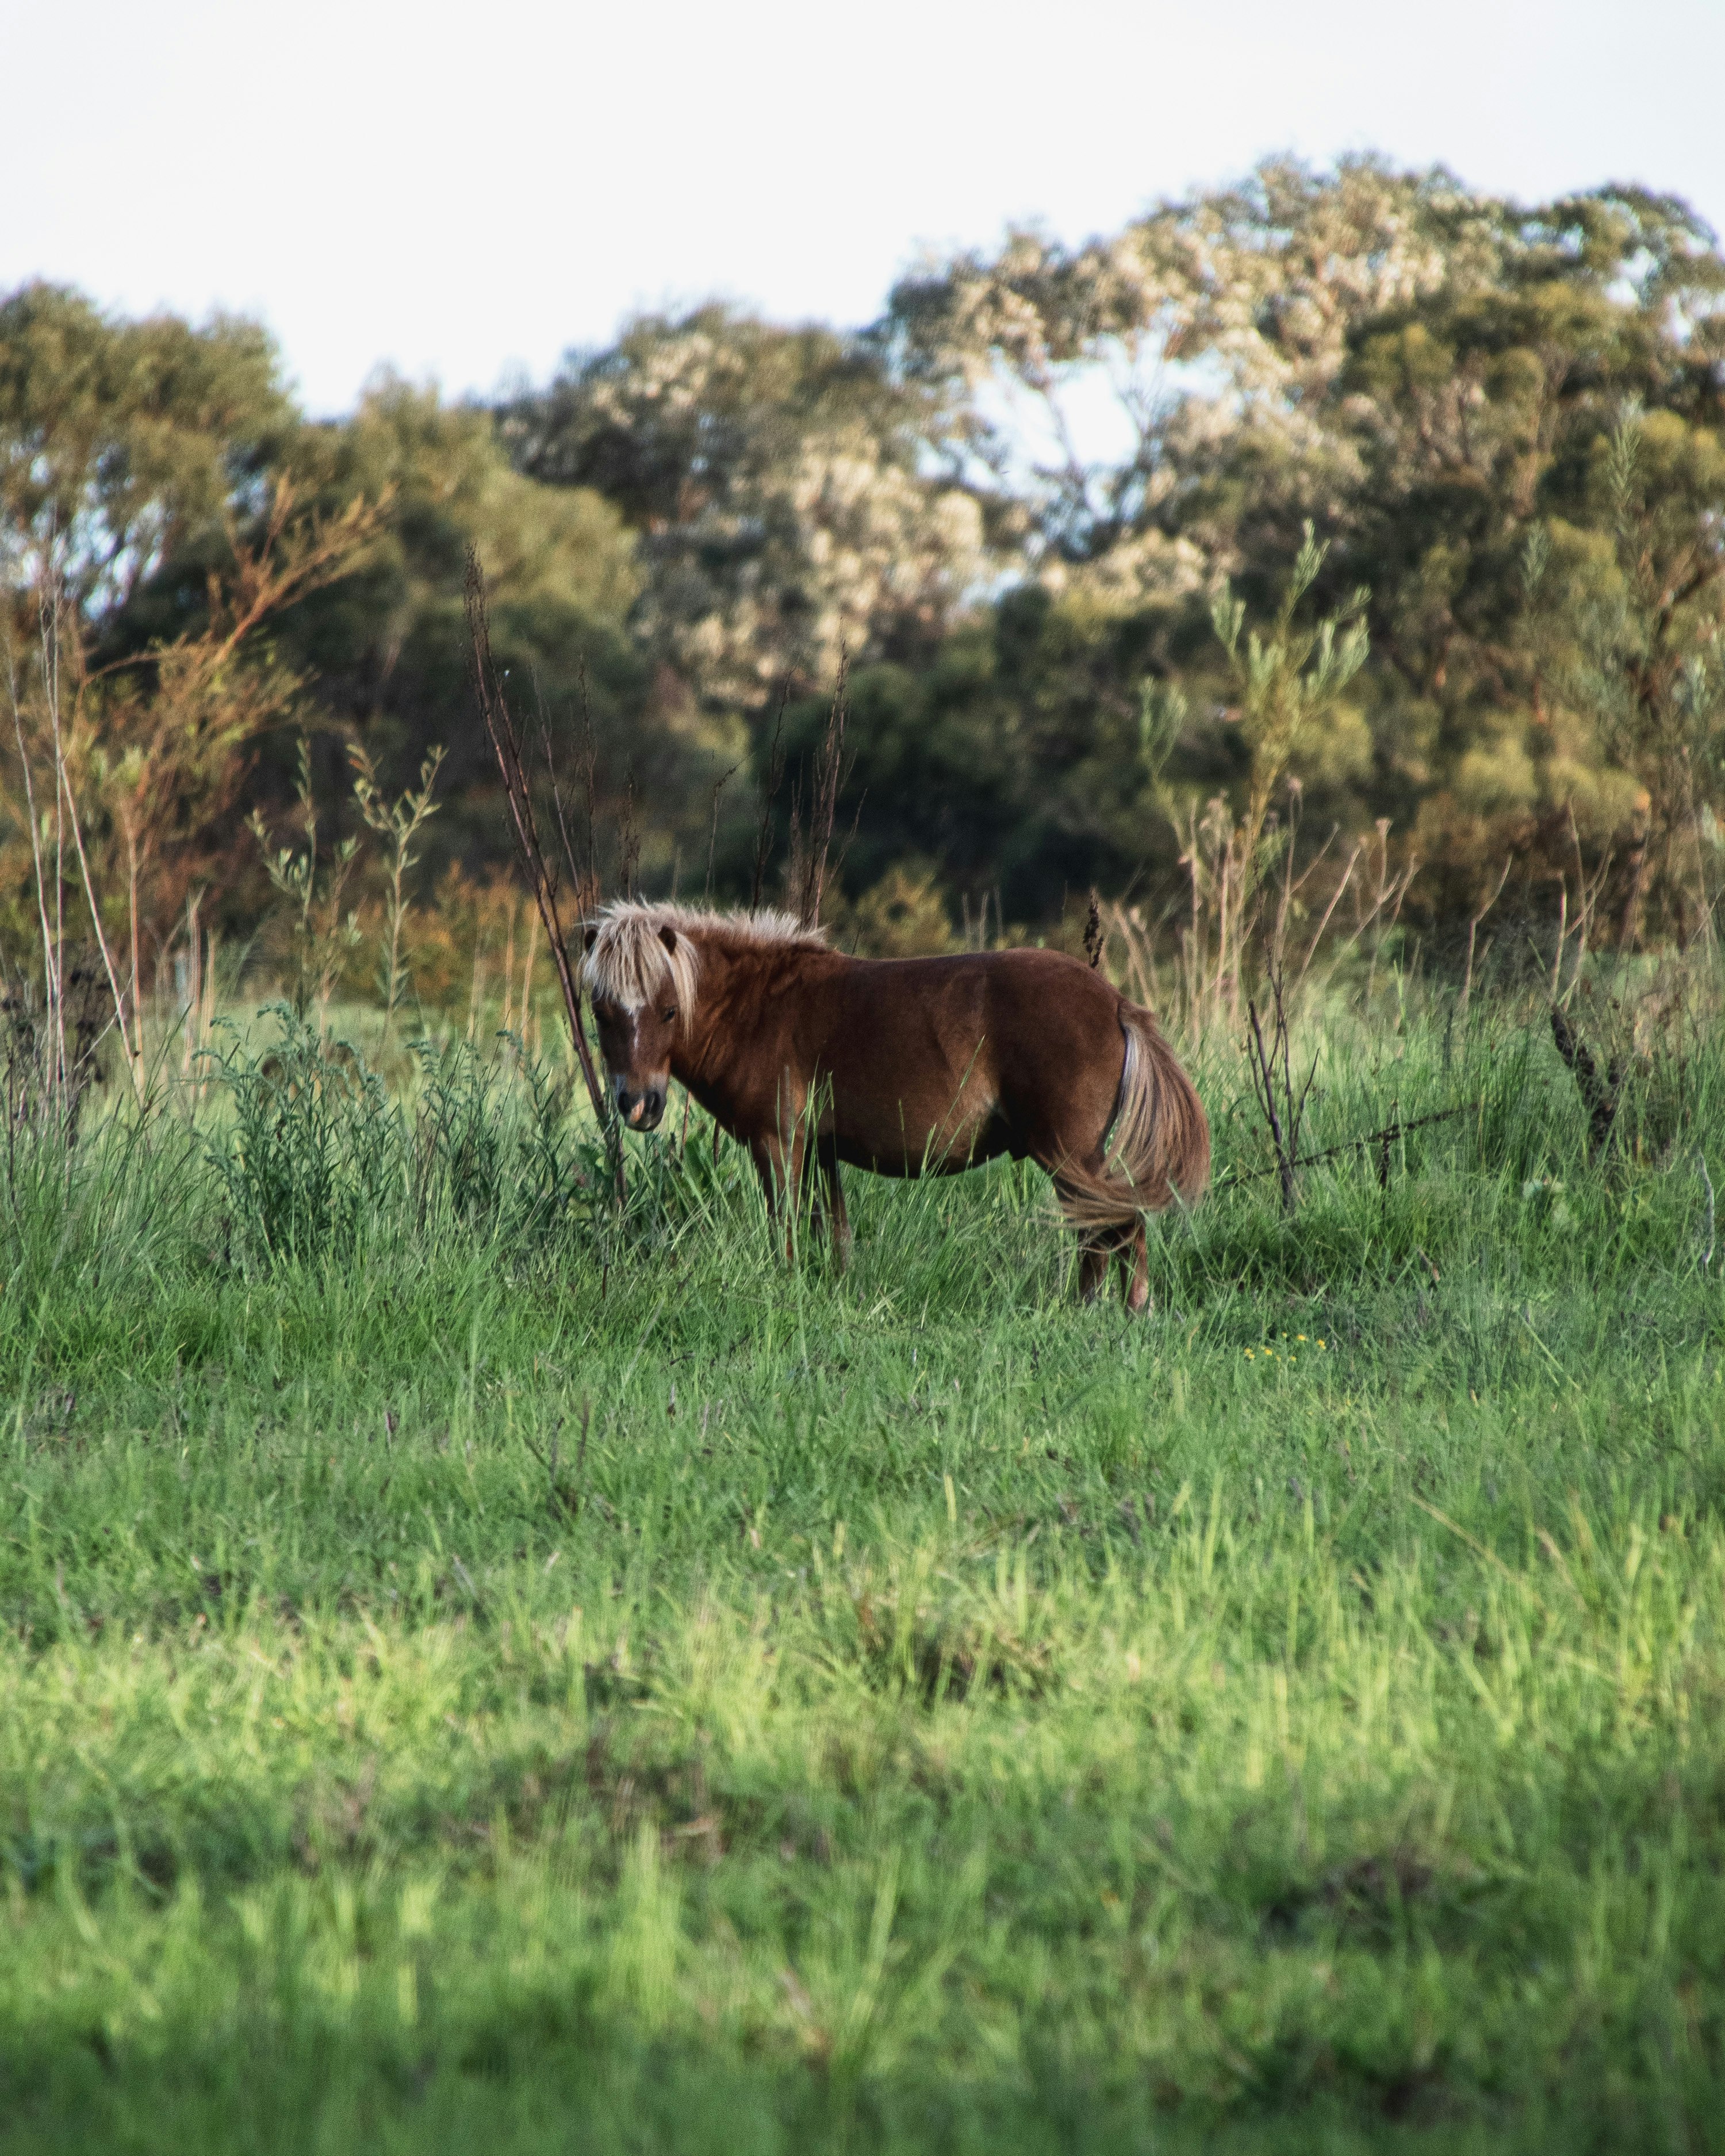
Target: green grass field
(476, 1677)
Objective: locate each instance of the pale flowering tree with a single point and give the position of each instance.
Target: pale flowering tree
(1126, 389)
(1061, 457)
(784, 500)
(1428, 376)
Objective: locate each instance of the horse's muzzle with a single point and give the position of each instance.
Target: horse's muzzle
(642, 1111)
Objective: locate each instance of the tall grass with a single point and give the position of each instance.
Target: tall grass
(479, 1669)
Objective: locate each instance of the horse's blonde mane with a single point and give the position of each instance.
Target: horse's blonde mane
(628, 958)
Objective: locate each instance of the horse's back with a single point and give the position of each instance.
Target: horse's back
(992, 995)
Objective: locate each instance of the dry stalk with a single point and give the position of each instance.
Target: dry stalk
(1344, 883)
(50, 970)
(1557, 963)
(769, 794)
(195, 986)
(712, 836)
(50, 638)
(1473, 930)
(1588, 889)
(810, 865)
(527, 978)
(542, 877)
(1128, 926)
(1283, 1104)
(629, 839)
(132, 903)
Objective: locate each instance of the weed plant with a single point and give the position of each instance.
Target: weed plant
(476, 1672)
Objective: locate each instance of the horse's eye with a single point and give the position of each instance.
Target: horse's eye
(670, 1015)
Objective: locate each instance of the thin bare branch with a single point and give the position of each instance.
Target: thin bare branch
(505, 737)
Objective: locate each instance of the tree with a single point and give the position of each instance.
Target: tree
(386, 648)
(774, 480)
(120, 440)
(1426, 373)
(1635, 643)
(153, 531)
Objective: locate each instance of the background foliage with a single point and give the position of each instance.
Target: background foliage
(1014, 501)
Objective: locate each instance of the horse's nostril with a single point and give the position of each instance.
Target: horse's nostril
(640, 1110)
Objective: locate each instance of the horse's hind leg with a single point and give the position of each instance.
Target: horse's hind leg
(1099, 1247)
(1125, 1248)
(1094, 1252)
(1096, 1245)
(1134, 1256)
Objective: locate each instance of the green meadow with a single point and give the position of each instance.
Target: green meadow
(475, 1672)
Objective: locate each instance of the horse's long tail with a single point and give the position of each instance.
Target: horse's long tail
(1159, 1145)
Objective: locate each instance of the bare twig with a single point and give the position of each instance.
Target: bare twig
(629, 839)
(1388, 1136)
(504, 738)
(769, 794)
(810, 861)
(712, 836)
(583, 871)
(50, 637)
(56, 1030)
(1271, 1068)
(1473, 930)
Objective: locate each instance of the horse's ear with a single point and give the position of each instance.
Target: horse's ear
(590, 939)
(668, 937)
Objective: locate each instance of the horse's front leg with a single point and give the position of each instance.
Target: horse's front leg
(779, 1163)
(837, 1220)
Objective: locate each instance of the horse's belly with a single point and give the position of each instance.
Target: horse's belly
(915, 1089)
(909, 1144)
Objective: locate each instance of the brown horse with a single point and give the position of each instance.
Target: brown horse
(912, 1065)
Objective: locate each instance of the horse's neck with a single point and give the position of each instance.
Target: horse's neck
(727, 995)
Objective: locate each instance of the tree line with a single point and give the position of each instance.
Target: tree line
(1046, 516)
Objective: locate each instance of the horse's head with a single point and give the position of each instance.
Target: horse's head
(639, 977)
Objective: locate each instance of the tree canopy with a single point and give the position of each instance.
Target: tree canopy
(1012, 505)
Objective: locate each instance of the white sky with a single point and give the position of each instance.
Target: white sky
(461, 191)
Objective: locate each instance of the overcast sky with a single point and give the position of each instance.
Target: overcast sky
(462, 191)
